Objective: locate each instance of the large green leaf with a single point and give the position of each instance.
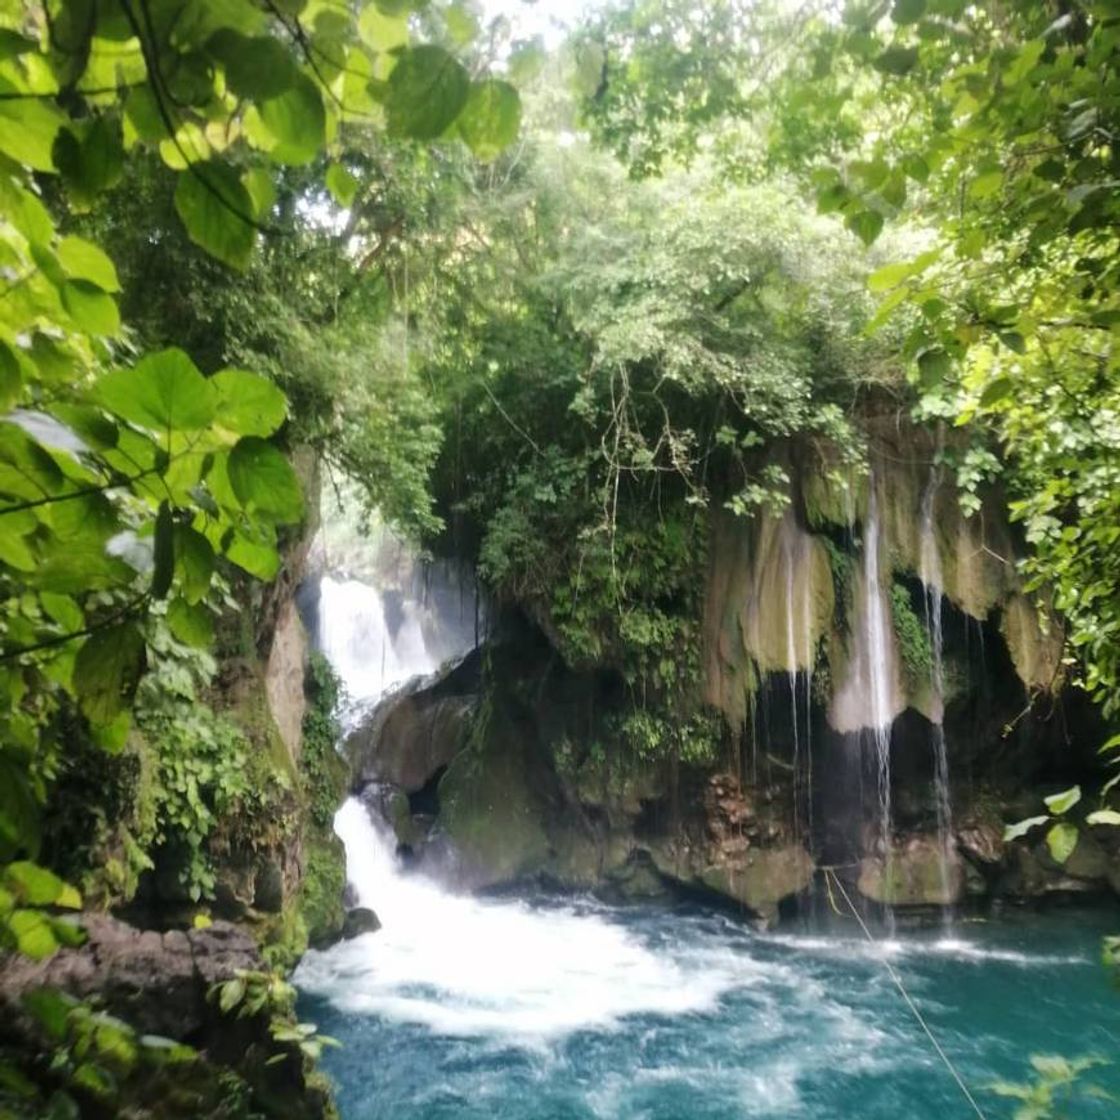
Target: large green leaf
(297, 121)
(194, 559)
(217, 212)
(90, 158)
(248, 404)
(427, 91)
(257, 67)
(82, 260)
(93, 310)
(107, 670)
(490, 119)
(28, 130)
(163, 392)
(264, 481)
(191, 623)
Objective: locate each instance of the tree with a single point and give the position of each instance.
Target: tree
(125, 484)
(988, 131)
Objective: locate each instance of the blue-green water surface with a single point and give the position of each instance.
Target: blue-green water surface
(689, 1015)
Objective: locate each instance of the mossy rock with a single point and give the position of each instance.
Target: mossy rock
(763, 878)
(320, 901)
(491, 807)
(918, 873)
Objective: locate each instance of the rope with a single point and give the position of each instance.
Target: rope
(891, 971)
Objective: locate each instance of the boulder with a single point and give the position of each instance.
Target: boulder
(359, 920)
(918, 873)
(156, 981)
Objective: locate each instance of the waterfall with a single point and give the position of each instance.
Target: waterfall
(356, 637)
(459, 965)
(880, 655)
(930, 565)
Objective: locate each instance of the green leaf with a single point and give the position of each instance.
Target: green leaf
(1060, 803)
(491, 118)
(260, 560)
(107, 670)
(163, 570)
(194, 557)
(1104, 816)
(889, 276)
(1021, 828)
(230, 994)
(427, 91)
(257, 67)
(50, 1008)
(297, 121)
(380, 31)
(1061, 840)
(36, 886)
(342, 184)
(264, 481)
(462, 25)
(995, 391)
(865, 224)
(897, 60)
(28, 130)
(82, 260)
(192, 624)
(1014, 341)
(90, 158)
(33, 934)
(93, 310)
(217, 212)
(163, 392)
(933, 367)
(248, 404)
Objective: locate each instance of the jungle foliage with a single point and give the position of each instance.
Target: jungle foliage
(137, 479)
(988, 132)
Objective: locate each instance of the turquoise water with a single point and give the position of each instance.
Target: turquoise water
(653, 1014)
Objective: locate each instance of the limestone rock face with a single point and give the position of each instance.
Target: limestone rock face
(918, 873)
(283, 677)
(769, 603)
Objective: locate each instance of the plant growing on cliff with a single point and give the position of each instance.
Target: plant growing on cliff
(982, 138)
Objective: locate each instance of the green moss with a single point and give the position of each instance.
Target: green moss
(913, 638)
(323, 886)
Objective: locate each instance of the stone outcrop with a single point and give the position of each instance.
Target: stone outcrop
(413, 735)
(160, 985)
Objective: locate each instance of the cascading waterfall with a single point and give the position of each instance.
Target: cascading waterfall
(930, 564)
(355, 636)
(879, 656)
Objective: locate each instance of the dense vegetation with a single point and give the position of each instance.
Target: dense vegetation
(249, 244)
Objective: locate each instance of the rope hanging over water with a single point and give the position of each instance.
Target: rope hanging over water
(893, 973)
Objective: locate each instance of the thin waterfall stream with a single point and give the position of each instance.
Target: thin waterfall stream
(930, 574)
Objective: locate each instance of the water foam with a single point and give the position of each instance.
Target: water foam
(466, 966)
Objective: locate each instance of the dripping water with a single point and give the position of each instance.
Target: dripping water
(930, 565)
